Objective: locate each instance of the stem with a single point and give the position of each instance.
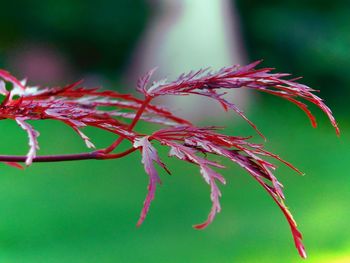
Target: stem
(131, 126)
(96, 155)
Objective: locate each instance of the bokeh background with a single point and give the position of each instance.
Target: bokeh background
(86, 211)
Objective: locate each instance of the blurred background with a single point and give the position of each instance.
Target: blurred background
(87, 211)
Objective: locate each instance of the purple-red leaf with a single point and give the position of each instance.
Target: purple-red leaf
(206, 83)
(238, 150)
(33, 139)
(189, 154)
(143, 81)
(149, 155)
(8, 77)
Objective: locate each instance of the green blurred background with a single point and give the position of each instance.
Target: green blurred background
(87, 211)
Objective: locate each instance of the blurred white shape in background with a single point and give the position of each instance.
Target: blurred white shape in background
(186, 35)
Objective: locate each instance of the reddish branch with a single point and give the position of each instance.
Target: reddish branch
(111, 111)
(96, 155)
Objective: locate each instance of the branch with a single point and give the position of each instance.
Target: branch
(96, 155)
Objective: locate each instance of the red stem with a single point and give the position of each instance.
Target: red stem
(131, 126)
(97, 155)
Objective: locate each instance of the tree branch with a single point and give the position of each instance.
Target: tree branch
(96, 155)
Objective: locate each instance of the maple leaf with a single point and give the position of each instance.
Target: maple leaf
(33, 141)
(205, 140)
(149, 155)
(207, 83)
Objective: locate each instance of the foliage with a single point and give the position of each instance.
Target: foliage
(79, 107)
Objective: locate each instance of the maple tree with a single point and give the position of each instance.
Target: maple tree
(118, 113)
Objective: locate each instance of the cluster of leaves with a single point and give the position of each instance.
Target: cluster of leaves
(111, 111)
